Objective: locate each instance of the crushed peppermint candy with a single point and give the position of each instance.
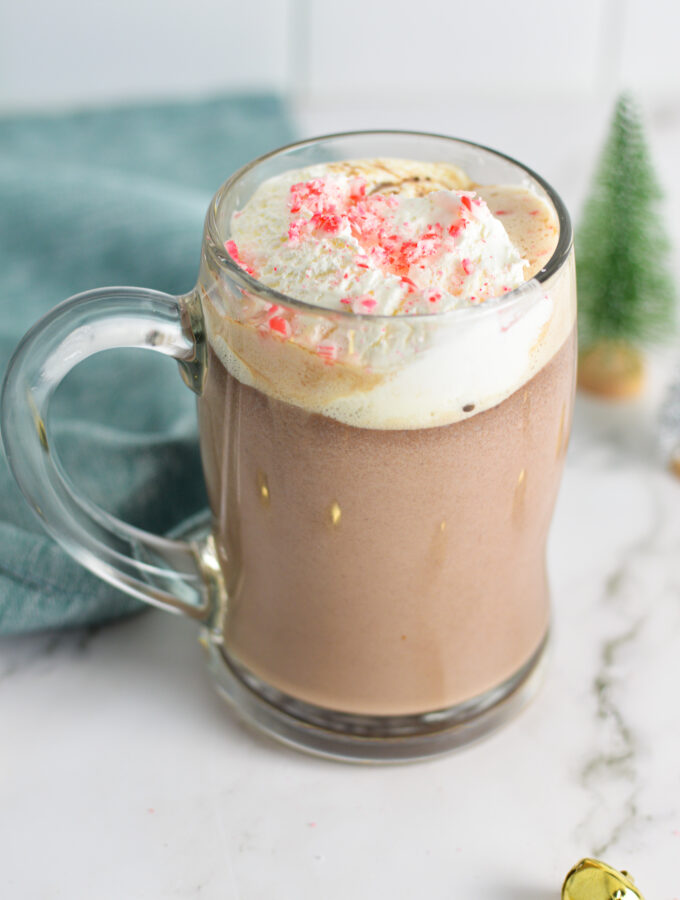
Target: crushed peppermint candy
(232, 250)
(327, 352)
(335, 241)
(280, 326)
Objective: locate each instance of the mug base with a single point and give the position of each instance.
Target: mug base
(359, 738)
(366, 738)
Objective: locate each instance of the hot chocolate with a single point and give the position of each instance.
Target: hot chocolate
(382, 463)
(383, 352)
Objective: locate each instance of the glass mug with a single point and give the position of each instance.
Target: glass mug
(363, 593)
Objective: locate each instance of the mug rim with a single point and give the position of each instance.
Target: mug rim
(251, 285)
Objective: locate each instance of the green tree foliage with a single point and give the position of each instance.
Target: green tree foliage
(626, 292)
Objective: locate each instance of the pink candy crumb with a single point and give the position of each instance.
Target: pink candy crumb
(232, 250)
(280, 326)
(296, 230)
(357, 189)
(327, 352)
(327, 221)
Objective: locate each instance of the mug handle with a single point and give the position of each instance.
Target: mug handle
(173, 574)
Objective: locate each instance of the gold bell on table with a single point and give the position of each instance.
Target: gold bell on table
(591, 879)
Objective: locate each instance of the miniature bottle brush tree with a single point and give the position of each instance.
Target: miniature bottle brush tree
(626, 294)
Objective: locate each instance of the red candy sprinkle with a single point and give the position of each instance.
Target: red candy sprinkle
(297, 230)
(326, 221)
(409, 252)
(307, 194)
(466, 203)
(457, 227)
(232, 250)
(280, 325)
(357, 189)
(468, 267)
(327, 352)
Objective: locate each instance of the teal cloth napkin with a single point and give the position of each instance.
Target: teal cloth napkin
(88, 199)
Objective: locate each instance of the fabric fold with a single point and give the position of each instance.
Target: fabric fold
(90, 199)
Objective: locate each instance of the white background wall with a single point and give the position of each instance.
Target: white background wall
(535, 78)
(76, 52)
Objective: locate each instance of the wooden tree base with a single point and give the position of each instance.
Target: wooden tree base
(675, 463)
(611, 369)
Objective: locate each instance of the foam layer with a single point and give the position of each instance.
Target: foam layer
(391, 364)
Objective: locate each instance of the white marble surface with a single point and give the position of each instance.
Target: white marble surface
(123, 775)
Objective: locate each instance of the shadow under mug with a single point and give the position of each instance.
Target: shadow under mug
(364, 593)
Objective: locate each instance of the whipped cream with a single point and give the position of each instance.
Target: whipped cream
(390, 242)
(326, 239)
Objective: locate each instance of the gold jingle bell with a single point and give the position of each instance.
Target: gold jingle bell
(591, 879)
